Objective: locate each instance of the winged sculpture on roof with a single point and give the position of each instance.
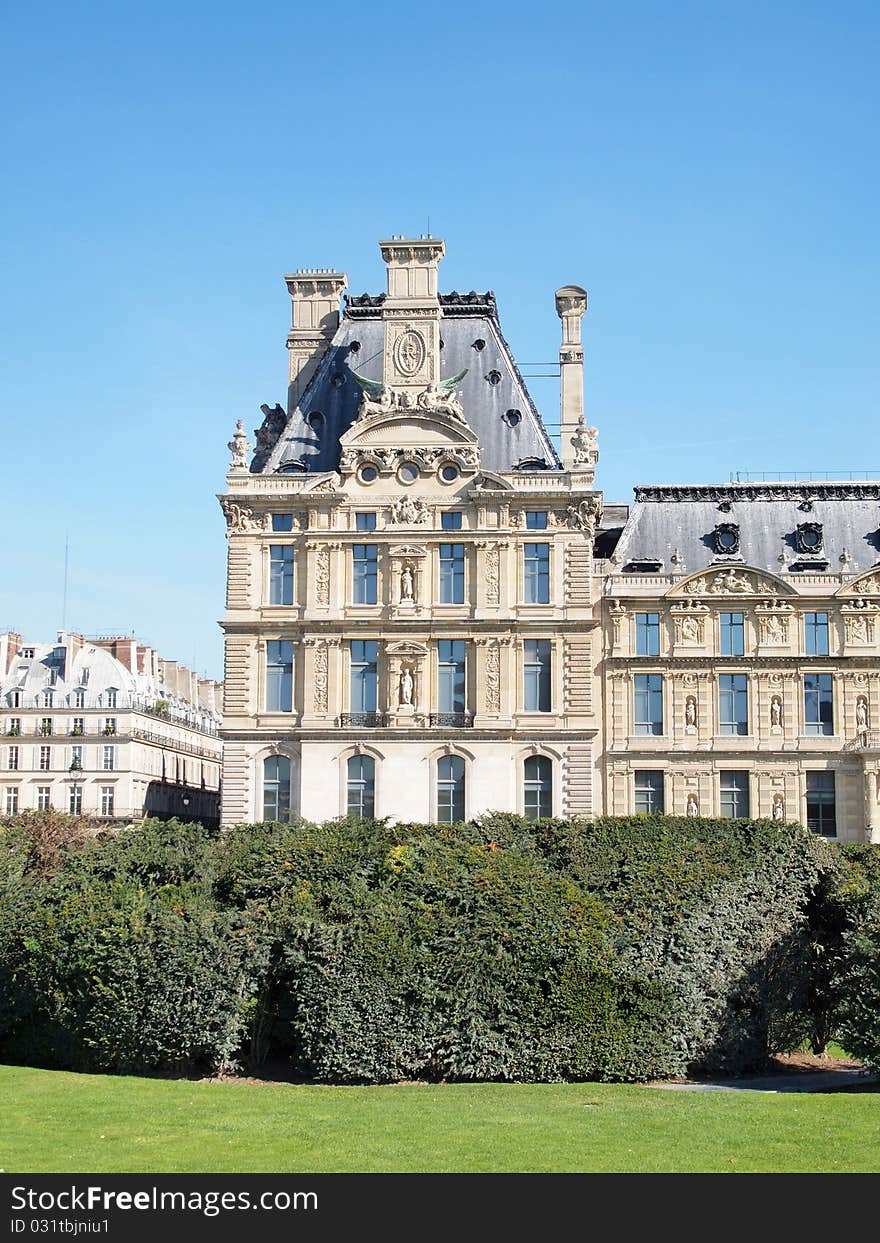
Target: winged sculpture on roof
(439, 398)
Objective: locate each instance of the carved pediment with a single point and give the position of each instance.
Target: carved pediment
(406, 647)
(731, 581)
(867, 584)
(407, 550)
(408, 427)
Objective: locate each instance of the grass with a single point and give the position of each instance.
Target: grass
(59, 1122)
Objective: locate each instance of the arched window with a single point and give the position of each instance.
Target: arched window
(537, 787)
(276, 788)
(450, 789)
(361, 786)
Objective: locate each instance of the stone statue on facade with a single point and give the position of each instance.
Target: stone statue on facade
(585, 444)
(692, 808)
(583, 517)
(407, 584)
(861, 713)
(776, 712)
(240, 447)
(690, 712)
(407, 686)
(778, 807)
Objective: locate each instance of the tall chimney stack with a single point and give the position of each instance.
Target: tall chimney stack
(315, 294)
(411, 312)
(571, 306)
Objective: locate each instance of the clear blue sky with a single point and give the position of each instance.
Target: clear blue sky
(708, 171)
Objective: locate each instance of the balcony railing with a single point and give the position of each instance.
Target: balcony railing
(451, 720)
(362, 720)
(865, 740)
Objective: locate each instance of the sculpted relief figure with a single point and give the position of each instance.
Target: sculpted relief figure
(585, 444)
(775, 629)
(408, 511)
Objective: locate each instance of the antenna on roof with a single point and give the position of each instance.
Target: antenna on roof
(429, 224)
(64, 595)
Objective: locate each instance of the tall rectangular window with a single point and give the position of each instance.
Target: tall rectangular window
(816, 634)
(79, 725)
(282, 522)
(536, 569)
(450, 520)
(364, 665)
(76, 757)
(47, 698)
(108, 758)
(12, 758)
(647, 634)
(361, 786)
(648, 791)
(14, 729)
(648, 717)
(12, 800)
(818, 703)
(75, 800)
(450, 789)
(451, 675)
(276, 788)
(110, 698)
(365, 574)
(46, 725)
(733, 703)
(107, 800)
(537, 787)
(110, 725)
(734, 789)
(79, 698)
(44, 798)
(452, 573)
(279, 675)
(365, 522)
(45, 759)
(281, 574)
(536, 675)
(732, 634)
(821, 809)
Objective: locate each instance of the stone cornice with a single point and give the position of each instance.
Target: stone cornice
(791, 491)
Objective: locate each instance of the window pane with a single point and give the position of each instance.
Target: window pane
(536, 675)
(732, 634)
(648, 792)
(734, 794)
(816, 634)
(364, 661)
(818, 703)
(536, 520)
(279, 675)
(648, 703)
(365, 522)
(282, 522)
(451, 675)
(450, 789)
(365, 562)
(536, 573)
(280, 574)
(537, 787)
(361, 786)
(647, 634)
(276, 788)
(452, 573)
(733, 703)
(821, 804)
(450, 521)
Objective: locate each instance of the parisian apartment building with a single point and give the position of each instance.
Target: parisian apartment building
(432, 612)
(105, 727)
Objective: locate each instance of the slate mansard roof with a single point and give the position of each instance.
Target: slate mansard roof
(667, 520)
(471, 337)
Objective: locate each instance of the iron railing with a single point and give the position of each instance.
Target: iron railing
(362, 720)
(451, 720)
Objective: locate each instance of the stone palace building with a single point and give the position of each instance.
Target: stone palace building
(431, 613)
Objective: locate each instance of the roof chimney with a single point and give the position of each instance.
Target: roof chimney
(571, 306)
(411, 312)
(315, 294)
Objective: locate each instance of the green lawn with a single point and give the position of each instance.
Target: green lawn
(54, 1121)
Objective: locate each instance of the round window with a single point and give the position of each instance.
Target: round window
(727, 540)
(449, 472)
(408, 472)
(810, 538)
(369, 474)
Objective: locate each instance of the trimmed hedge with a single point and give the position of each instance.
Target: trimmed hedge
(365, 952)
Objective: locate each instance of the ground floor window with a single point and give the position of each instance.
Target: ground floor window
(734, 794)
(537, 787)
(648, 792)
(276, 788)
(75, 800)
(108, 798)
(450, 789)
(821, 804)
(11, 800)
(361, 786)
(44, 798)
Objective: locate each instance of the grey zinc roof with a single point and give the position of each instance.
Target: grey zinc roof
(668, 519)
(358, 345)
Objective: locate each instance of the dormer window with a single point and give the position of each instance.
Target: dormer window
(84, 676)
(111, 697)
(644, 565)
(47, 699)
(79, 698)
(27, 653)
(725, 537)
(808, 537)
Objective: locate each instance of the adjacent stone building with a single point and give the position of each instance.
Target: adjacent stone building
(105, 727)
(430, 613)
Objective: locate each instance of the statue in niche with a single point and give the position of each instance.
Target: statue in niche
(692, 808)
(407, 584)
(407, 686)
(690, 712)
(776, 712)
(861, 713)
(778, 807)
